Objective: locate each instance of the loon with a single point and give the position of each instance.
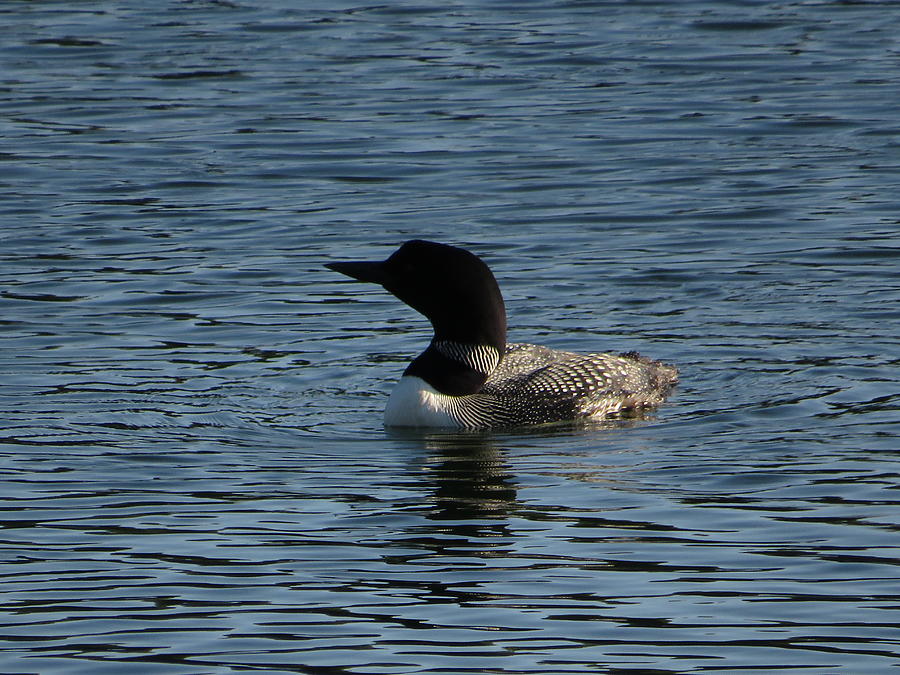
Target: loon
(470, 378)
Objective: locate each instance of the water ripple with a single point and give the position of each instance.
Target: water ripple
(195, 474)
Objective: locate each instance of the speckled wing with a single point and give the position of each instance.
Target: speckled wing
(534, 384)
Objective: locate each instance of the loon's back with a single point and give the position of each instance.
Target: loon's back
(536, 385)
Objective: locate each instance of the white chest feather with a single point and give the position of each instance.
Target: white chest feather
(413, 403)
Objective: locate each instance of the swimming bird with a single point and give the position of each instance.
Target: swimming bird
(469, 377)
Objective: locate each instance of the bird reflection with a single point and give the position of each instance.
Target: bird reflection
(468, 472)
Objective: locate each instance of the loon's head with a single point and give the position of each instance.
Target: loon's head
(453, 288)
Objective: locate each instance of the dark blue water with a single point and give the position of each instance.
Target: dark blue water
(195, 477)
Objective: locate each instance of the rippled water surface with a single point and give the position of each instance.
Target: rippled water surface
(195, 477)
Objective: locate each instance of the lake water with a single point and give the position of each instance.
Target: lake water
(195, 477)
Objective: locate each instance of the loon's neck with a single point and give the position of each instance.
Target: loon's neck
(468, 343)
(461, 299)
(455, 368)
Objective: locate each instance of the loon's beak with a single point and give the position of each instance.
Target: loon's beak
(372, 272)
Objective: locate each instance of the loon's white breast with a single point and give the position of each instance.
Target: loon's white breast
(415, 403)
